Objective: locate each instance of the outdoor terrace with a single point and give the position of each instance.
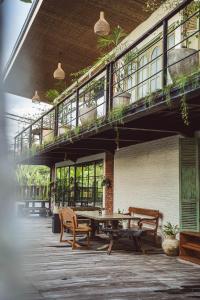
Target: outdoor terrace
(54, 271)
(134, 98)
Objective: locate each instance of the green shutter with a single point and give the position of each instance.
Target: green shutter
(189, 185)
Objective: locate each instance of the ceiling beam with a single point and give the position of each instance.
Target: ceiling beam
(113, 139)
(148, 129)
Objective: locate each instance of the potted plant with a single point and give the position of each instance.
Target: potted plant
(106, 182)
(121, 98)
(88, 108)
(184, 60)
(170, 244)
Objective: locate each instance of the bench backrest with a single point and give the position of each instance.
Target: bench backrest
(68, 218)
(145, 213)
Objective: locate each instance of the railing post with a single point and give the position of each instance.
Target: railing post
(21, 142)
(111, 86)
(107, 88)
(164, 60)
(30, 137)
(77, 107)
(15, 141)
(56, 121)
(41, 131)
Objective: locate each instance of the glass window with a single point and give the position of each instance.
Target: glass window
(80, 185)
(155, 68)
(143, 75)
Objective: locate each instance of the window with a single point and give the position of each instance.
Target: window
(143, 75)
(155, 68)
(80, 185)
(131, 81)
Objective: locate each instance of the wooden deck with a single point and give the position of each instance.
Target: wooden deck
(54, 271)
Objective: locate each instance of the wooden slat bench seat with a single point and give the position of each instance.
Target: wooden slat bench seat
(146, 222)
(69, 221)
(149, 220)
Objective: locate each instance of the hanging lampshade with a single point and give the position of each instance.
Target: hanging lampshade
(102, 27)
(36, 97)
(59, 73)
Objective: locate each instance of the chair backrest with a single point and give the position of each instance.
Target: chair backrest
(68, 217)
(145, 213)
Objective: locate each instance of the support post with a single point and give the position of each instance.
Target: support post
(52, 182)
(109, 174)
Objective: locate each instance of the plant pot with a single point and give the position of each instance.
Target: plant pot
(170, 245)
(88, 114)
(63, 129)
(121, 100)
(47, 135)
(186, 66)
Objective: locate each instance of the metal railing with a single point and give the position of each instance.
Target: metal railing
(138, 71)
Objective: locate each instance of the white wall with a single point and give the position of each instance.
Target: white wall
(147, 176)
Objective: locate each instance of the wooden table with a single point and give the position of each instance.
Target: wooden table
(96, 218)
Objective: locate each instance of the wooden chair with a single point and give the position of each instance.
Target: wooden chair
(68, 220)
(149, 220)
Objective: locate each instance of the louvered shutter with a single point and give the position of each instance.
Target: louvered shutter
(189, 203)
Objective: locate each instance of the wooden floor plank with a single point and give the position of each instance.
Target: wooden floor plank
(54, 271)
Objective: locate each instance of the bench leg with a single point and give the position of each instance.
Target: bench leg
(110, 247)
(61, 234)
(74, 241)
(88, 239)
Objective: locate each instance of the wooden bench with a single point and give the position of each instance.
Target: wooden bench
(149, 220)
(69, 221)
(146, 225)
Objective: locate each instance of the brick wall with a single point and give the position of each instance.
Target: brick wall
(147, 175)
(109, 173)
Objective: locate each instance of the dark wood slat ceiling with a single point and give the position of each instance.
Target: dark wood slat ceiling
(66, 26)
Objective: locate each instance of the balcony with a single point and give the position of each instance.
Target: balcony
(147, 91)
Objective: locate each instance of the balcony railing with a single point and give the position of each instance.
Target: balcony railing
(146, 68)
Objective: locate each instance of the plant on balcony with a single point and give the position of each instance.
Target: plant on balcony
(88, 107)
(52, 94)
(183, 60)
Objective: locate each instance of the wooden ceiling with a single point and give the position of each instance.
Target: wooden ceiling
(66, 26)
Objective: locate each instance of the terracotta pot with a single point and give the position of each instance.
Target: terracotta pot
(88, 114)
(170, 245)
(121, 100)
(186, 66)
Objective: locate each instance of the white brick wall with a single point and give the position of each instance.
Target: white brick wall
(147, 176)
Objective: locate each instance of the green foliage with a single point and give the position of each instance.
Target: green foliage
(33, 175)
(76, 75)
(117, 114)
(170, 229)
(52, 94)
(112, 40)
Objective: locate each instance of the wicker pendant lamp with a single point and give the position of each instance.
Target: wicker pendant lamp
(102, 27)
(36, 97)
(59, 73)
